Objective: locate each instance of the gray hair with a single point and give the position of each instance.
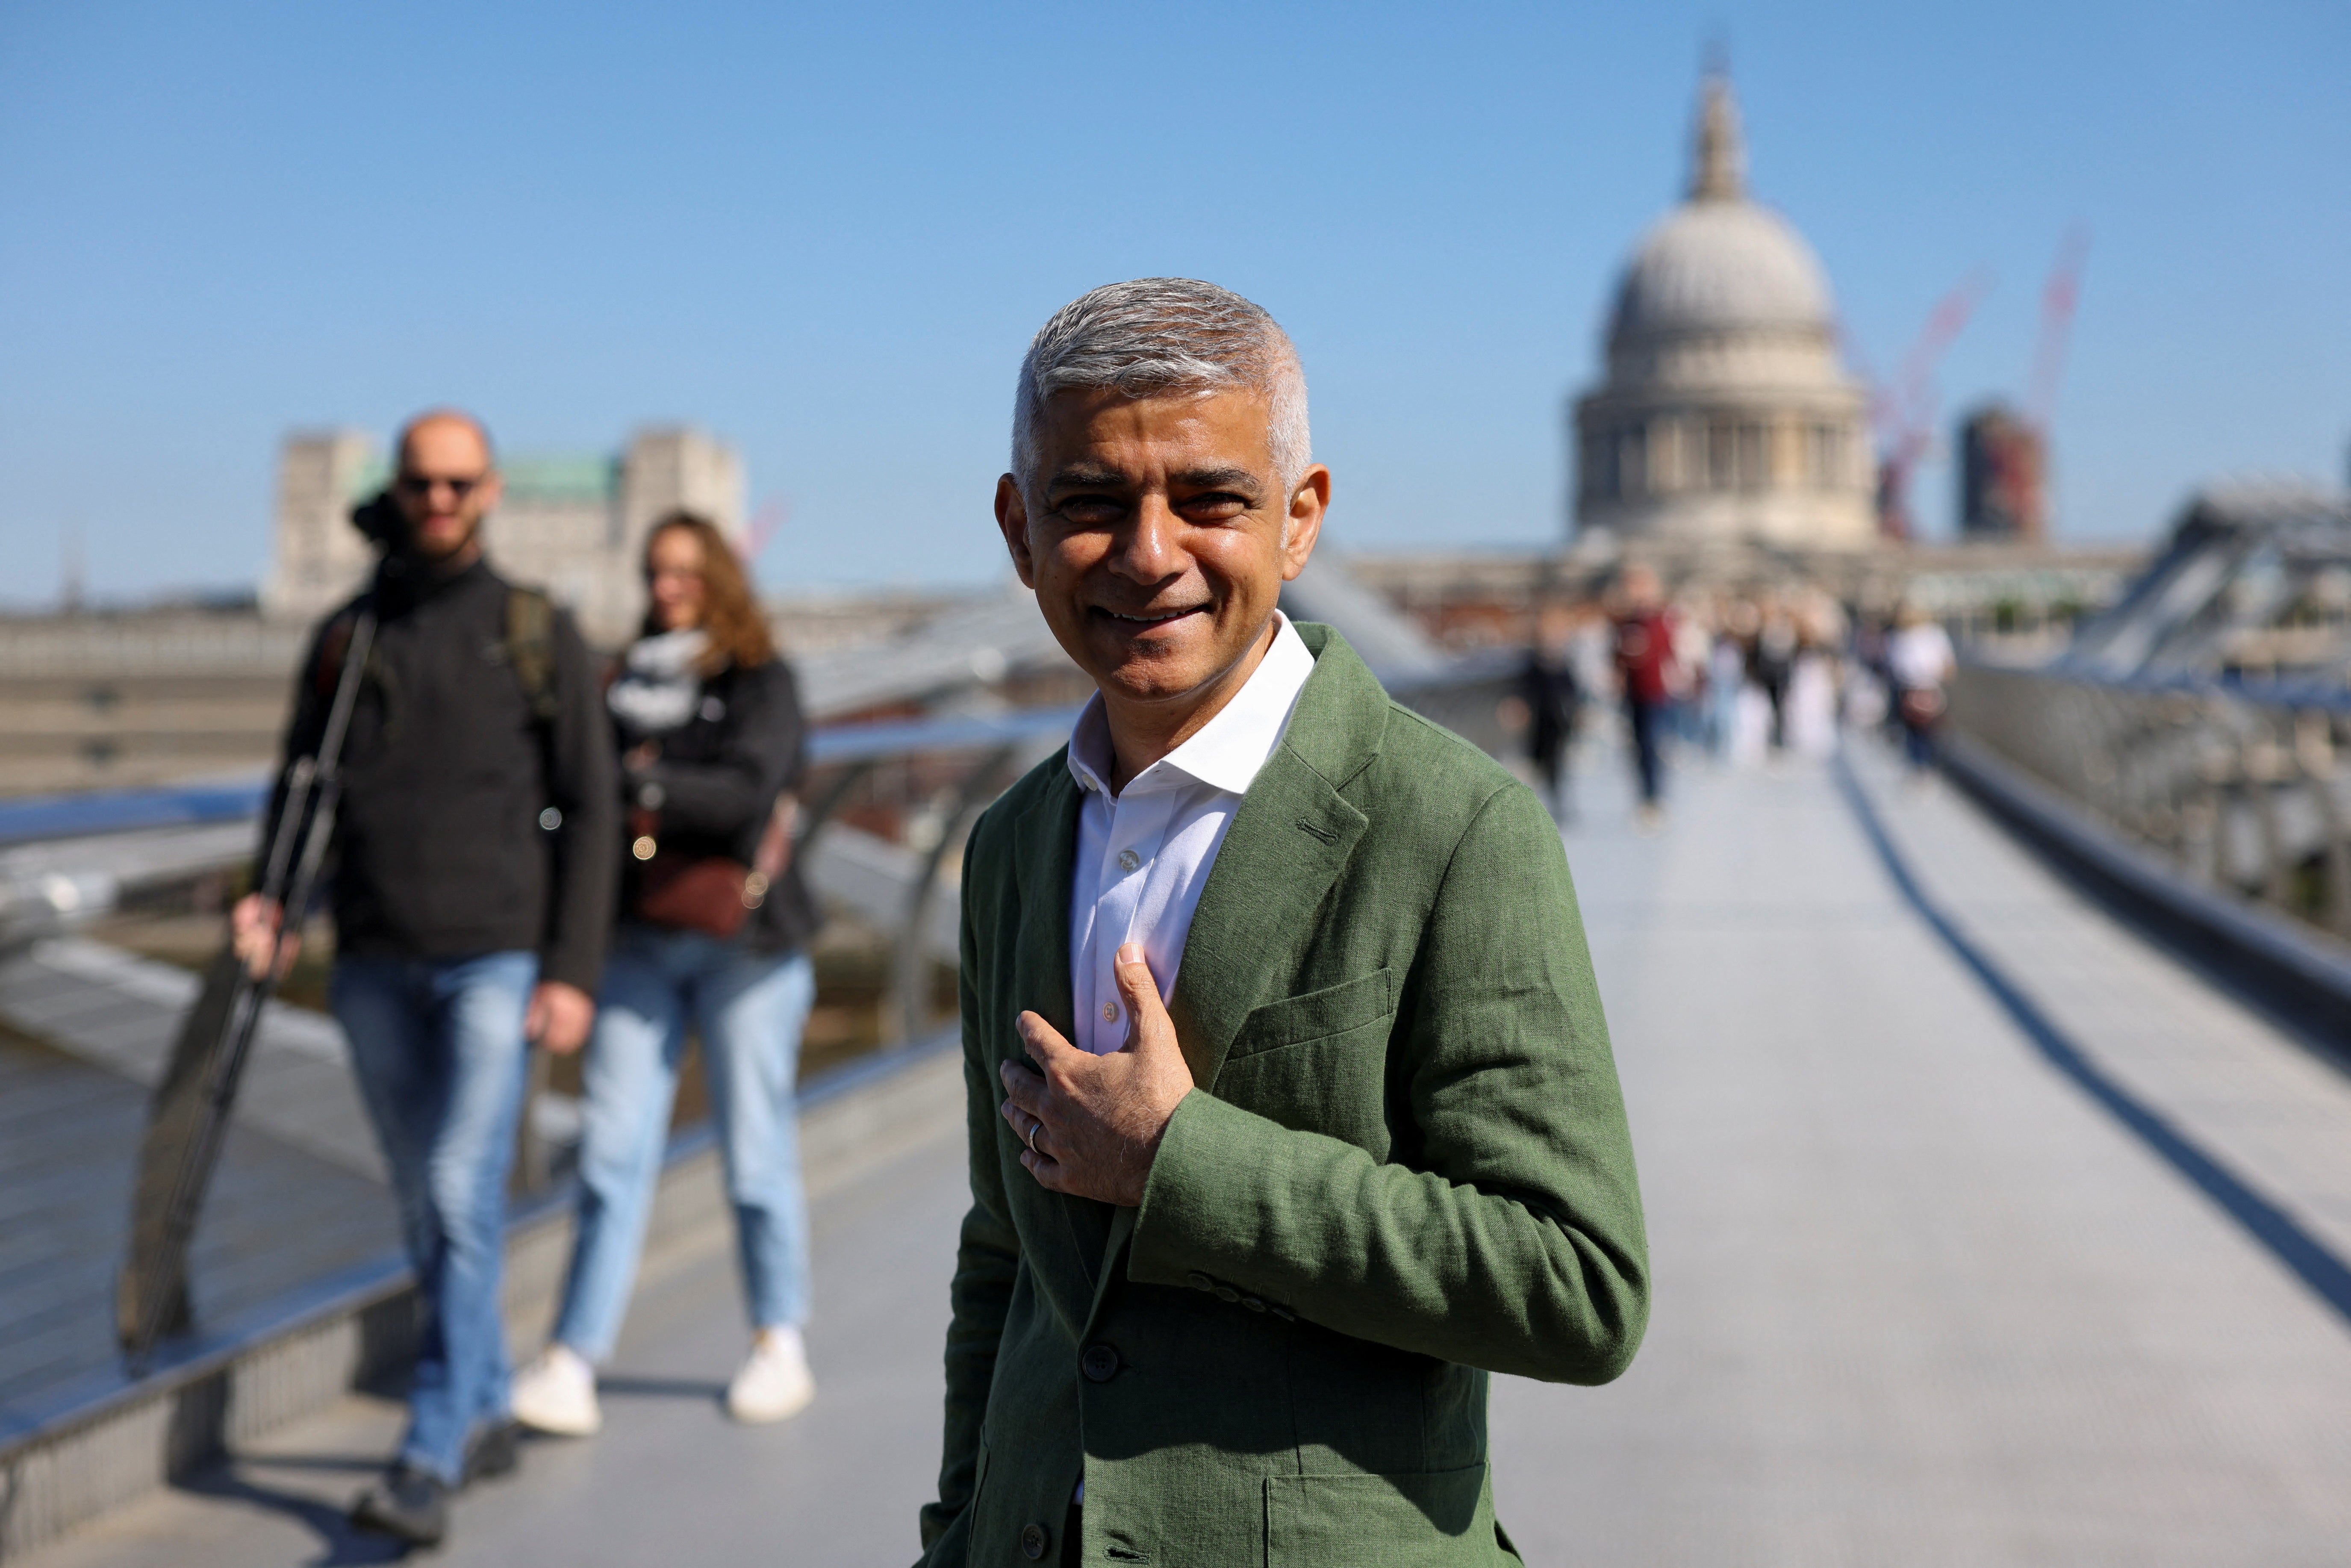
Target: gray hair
(1157, 335)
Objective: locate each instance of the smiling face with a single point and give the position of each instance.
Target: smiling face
(1154, 533)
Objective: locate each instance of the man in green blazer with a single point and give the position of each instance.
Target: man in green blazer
(1292, 1115)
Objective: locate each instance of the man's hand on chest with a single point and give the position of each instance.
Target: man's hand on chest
(1093, 1123)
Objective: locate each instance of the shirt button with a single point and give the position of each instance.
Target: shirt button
(1033, 1541)
(1099, 1364)
(1110, 1012)
(1128, 860)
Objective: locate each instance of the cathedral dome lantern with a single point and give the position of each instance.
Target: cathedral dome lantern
(1726, 416)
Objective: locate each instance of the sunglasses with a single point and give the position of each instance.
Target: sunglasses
(421, 485)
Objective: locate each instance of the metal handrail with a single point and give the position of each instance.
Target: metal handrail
(2301, 694)
(1462, 693)
(887, 739)
(40, 818)
(2242, 785)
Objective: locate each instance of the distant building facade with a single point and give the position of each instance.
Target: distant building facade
(574, 524)
(1725, 416)
(2002, 476)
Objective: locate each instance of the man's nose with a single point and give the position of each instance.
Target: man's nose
(1147, 550)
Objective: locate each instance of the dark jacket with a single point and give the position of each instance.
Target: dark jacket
(445, 846)
(1547, 685)
(718, 780)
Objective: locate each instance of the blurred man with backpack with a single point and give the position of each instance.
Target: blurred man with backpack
(473, 880)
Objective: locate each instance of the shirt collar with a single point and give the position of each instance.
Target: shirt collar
(1229, 748)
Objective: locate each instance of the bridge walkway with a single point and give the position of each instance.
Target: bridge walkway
(1983, 1233)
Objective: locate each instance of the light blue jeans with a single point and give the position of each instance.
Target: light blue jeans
(437, 1046)
(748, 1007)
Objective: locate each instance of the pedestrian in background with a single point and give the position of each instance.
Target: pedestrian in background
(473, 893)
(714, 930)
(1693, 646)
(1646, 674)
(1772, 663)
(1547, 687)
(1920, 663)
(1726, 679)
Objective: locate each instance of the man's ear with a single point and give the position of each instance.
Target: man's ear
(1303, 525)
(1012, 521)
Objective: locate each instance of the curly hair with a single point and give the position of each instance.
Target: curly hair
(730, 612)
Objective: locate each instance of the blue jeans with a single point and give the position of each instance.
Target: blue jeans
(748, 1007)
(437, 1046)
(1648, 720)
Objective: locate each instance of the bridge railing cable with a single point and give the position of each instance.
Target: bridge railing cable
(2240, 789)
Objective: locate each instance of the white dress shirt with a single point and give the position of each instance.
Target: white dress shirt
(1144, 853)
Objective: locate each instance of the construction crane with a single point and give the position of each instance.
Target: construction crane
(1904, 414)
(2003, 477)
(765, 523)
(2058, 298)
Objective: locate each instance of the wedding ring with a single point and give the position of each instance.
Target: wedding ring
(1035, 1128)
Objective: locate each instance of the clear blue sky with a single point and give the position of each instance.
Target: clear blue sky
(827, 232)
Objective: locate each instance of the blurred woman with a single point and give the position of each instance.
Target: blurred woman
(712, 936)
(1918, 658)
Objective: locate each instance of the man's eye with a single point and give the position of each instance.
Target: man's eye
(1214, 509)
(1092, 511)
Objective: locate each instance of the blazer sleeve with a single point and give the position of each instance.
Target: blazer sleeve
(1507, 1233)
(988, 1259)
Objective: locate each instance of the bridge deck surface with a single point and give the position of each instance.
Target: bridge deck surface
(1983, 1233)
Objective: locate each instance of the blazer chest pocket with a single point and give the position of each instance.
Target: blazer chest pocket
(1334, 1009)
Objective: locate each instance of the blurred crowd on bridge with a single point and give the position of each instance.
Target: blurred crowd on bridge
(1736, 677)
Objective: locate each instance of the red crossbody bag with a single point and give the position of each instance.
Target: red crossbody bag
(710, 894)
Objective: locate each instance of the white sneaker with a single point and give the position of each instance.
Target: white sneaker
(557, 1393)
(775, 1382)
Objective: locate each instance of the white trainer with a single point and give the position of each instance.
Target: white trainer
(774, 1383)
(556, 1394)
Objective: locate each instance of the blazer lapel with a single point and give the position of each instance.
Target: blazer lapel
(1288, 842)
(1291, 837)
(1046, 842)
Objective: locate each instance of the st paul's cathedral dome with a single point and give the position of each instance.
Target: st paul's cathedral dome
(1725, 416)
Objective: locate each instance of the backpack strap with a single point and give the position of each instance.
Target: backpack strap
(530, 649)
(326, 667)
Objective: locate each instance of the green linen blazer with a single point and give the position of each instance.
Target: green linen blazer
(1406, 1166)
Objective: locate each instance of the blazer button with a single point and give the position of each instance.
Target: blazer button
(1226, 1293)
(1034, 1539)
(1252, 1304)
(1099, 1364)
(1199, 1282)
